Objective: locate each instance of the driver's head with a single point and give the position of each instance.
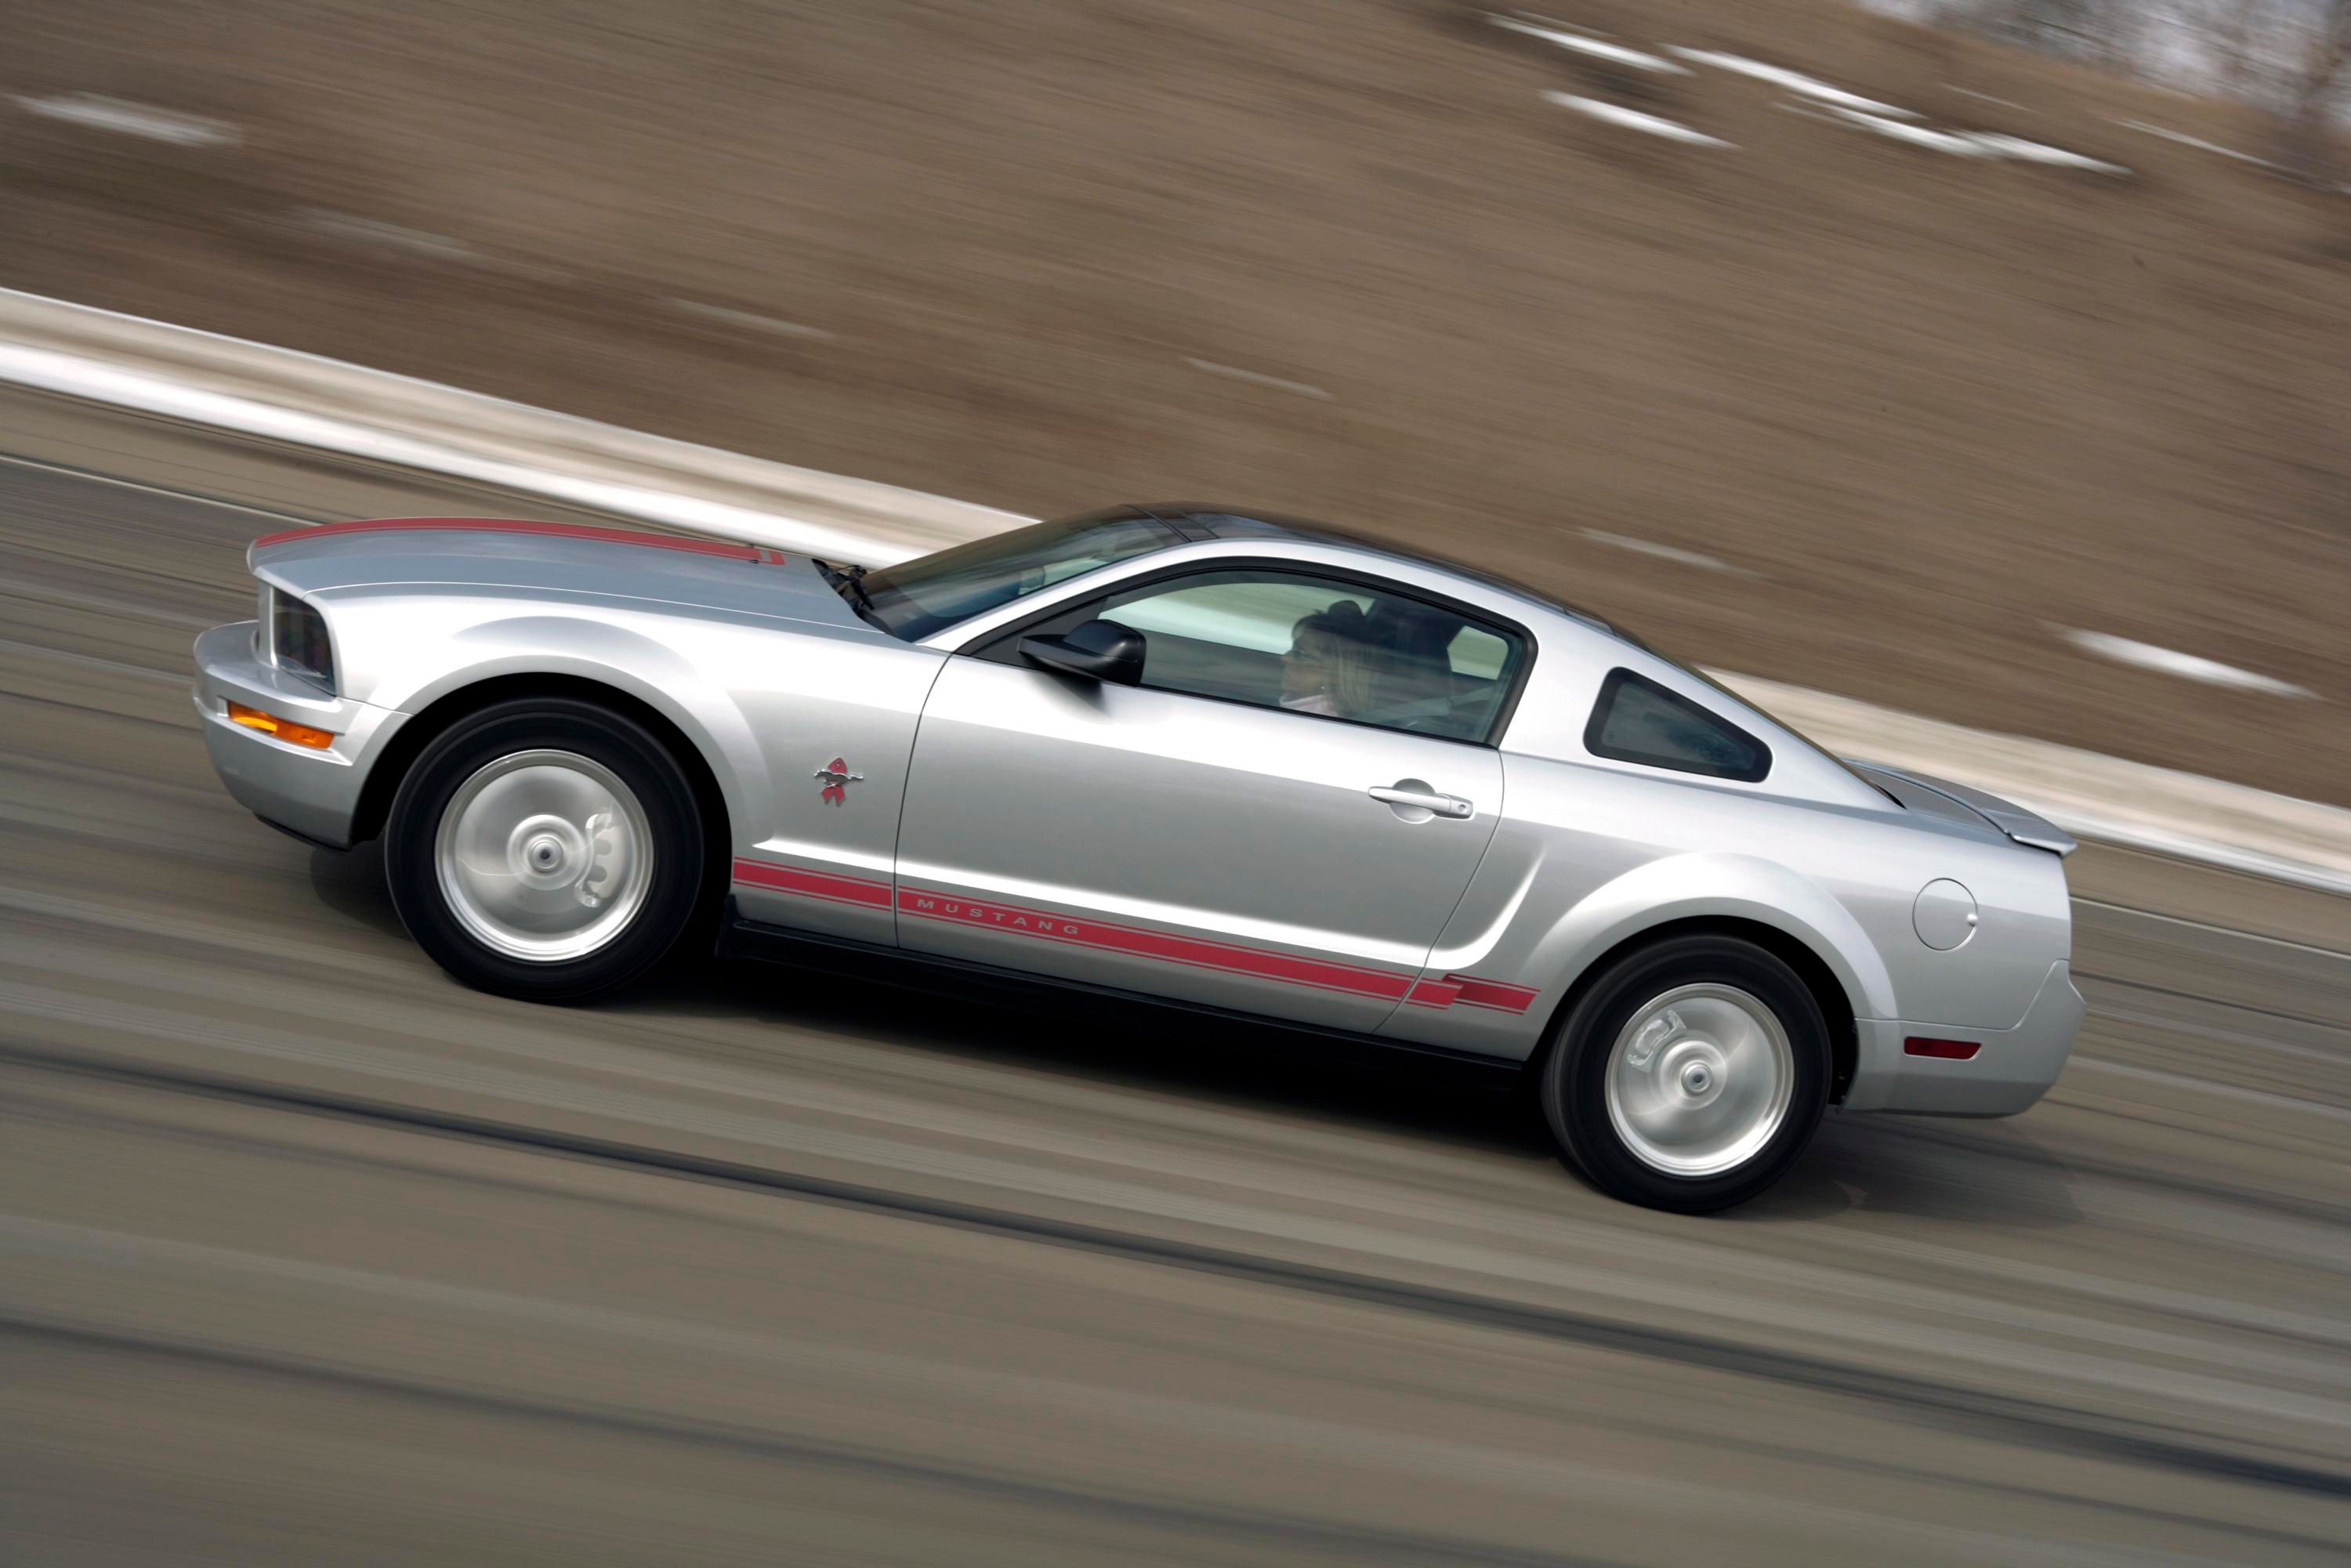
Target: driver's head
(1328, 657)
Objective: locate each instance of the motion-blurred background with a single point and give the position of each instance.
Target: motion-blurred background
(1986, 360)
(1936, 411)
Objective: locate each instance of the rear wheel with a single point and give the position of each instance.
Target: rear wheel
(547, 849)
(1689, 1075)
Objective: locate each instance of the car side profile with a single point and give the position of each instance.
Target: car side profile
(1232, 766)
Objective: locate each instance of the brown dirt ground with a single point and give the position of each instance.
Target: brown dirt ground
(1942, 405)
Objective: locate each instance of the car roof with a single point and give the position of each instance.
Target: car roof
(1195, 520)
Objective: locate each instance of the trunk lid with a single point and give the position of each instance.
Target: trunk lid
(1940, 797)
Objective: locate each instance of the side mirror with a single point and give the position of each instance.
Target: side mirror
(1099, 651)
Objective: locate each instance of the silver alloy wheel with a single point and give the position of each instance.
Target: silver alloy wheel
(544, 856)
(1699, 1079)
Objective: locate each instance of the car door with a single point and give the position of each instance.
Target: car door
(1191, 835)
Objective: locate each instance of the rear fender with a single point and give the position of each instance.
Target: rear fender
(1720, 887)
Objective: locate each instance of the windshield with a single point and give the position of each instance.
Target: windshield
(916, 598)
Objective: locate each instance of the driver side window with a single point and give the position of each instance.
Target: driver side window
(1323, 646)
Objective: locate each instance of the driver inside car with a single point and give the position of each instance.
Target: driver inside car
(1328, 669)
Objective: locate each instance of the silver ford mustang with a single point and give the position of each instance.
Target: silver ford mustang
(1231, 766)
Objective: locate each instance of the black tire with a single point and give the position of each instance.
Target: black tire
(1572, 1081)
(678, 834)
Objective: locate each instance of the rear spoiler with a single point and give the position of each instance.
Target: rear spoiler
(2022, 826)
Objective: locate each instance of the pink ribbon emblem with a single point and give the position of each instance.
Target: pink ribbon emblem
(837, 779)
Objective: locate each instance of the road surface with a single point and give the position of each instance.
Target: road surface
(308, 1254)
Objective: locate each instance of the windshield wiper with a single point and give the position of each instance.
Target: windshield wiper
(849, 582)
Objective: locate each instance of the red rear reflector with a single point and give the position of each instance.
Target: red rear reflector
(1949, 1050)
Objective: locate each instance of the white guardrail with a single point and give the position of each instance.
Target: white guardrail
(251, 388)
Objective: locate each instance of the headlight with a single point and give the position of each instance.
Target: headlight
(298, 636)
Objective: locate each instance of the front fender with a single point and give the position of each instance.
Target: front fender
(428, 668)
(1710, 885)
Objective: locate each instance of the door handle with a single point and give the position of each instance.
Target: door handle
(1424, 799)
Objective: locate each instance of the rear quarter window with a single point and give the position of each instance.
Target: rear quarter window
(1637, 720)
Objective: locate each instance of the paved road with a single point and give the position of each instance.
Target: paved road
(308, 1254)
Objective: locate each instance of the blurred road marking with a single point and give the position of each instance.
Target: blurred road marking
(2170, 662)
(746, 318)
(1794, 82)
(161, 1268)
(91, 661)
(1666, 552)
(133, 120)
(2169, 1024)
(2194, 142)
(97, 479)
(17, 588)
(1257, 378)
(1615, 54)
(2136, 1362)
(2207, 1086)
(2229, 931)
(1634, 119)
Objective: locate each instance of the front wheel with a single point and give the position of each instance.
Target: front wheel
(1689, 1075)
(546, 849)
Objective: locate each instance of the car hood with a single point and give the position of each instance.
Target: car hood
(1940, 797)
(555, 559)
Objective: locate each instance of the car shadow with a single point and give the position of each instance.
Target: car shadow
(350, 883)
(1965, 1172)
(1224, 1063)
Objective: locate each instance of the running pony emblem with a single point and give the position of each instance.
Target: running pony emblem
(837, 778)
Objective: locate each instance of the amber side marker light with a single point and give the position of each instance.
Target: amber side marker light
(1949, 1050)
(284, 729)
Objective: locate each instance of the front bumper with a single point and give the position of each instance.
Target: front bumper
(315, 793)
(2013, 1070)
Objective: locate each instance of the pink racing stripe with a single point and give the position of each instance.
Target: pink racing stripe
(1496, 994)
(1141, 942)
(826, 885)
(517, 526)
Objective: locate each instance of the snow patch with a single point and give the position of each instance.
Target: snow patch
(1634, 119)
(127, 119)
(377, 234)
(1666, 552)
(1985, 96)
(2041, 152)
(2195, 142)
(1955, 143)
(749, 320)
(2171, 661)
(1794, 82)
(1971, 144)
(1615, 54)
(1258, 378)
